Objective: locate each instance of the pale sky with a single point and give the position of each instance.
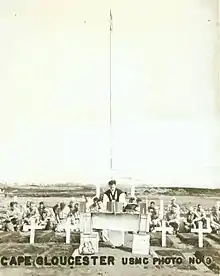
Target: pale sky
(54, 91)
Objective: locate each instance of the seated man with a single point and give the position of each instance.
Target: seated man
(200, 216)
(16, 204)
(45, 216)
(173, 203)
(151, 207)
(26, 206)
(215, 220)
(155, 219)
(55, 209)
(71, 205)
(138, 201)
(30, 213)
(74, 215)
(189, 221)
(131, 206)
(13, 218)
(62, 214)
(173, 219)
(96, 206)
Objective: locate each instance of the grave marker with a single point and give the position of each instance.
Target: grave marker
(200, 230)
(68, 230)
(32, 227)
(32, 233)
(164, 230)
(141, 244)
(93, 238)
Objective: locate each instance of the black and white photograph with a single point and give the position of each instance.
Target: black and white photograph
(109, 137)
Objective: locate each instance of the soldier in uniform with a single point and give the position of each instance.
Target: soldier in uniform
(173, 219)
(215, 220)
(189, 221)
(45, 216)
(200, 216)
(13, 218)
(173, 203)
(31, 212)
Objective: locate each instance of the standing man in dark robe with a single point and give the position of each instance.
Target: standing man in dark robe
(113, 194)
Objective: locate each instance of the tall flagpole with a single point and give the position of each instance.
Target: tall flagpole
(110, 92)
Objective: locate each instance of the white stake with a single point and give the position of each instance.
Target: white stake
(32, 233)
(68, 230)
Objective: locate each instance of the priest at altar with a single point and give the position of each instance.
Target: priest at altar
(113, 194)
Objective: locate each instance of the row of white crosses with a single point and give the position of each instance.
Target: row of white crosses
(163, 229)
(200, 230)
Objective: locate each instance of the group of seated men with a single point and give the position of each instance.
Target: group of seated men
(17, 217)
(187, 221)
(54, 218)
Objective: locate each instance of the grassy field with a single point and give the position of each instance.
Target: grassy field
(184, 201)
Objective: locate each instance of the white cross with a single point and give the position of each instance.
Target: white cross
(67, 228)
(32, 227)
(164, 230)
(202, 230)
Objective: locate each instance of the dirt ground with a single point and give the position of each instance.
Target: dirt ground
(118, 269)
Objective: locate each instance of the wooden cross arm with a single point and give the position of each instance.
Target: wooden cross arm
(205, 230)
(36, 227)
